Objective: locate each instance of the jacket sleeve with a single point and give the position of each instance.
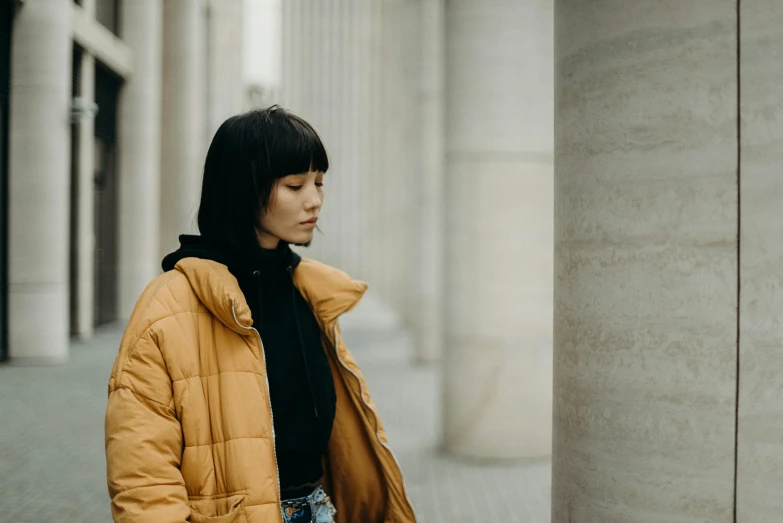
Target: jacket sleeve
(144, 440)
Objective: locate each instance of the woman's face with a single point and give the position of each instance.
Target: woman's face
(294, 206)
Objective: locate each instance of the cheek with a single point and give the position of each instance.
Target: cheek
(285, 204)
(273, 206)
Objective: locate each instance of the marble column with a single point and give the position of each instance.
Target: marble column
(760, 446)
(366, 140)
(373, 190)
(183, 143)
(410, 218)
(499, 206)
(225, 84)
(646, 261)
(349, 112)
(291, 62)
(139, 139)
(304, 52)
(396, 181)
(39, 182)
(84, 287)
(429, 289)
(326, 45)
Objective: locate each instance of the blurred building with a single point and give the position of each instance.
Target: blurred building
(112, 104)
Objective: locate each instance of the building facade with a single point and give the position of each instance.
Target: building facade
(110, 113)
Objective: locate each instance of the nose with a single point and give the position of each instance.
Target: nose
(313, 201)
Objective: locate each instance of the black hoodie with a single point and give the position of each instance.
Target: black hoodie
(301, 388)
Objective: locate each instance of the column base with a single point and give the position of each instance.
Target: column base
(38, 323)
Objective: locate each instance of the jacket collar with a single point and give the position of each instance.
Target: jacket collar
(329, 291)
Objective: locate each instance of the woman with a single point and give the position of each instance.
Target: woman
(233, 397)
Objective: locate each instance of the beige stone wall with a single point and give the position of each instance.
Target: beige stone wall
(646, 261)
(760, 445)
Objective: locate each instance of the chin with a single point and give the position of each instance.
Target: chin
(300, 239)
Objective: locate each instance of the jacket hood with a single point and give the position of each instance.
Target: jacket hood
(328, 291)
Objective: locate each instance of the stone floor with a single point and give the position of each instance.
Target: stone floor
(51, 440)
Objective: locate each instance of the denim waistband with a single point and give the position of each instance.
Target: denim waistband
(314, 507)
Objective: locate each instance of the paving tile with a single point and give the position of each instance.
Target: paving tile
(52, 465)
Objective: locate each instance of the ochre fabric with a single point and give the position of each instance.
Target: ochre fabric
(189, 425)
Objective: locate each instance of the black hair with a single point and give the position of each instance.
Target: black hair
(249, 153)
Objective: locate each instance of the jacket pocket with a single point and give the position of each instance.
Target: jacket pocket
(225, 508)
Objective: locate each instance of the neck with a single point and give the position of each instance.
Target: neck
(267, 241)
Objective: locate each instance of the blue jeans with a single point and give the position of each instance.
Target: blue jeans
(315, 508)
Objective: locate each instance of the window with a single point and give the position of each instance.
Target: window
(107, 13)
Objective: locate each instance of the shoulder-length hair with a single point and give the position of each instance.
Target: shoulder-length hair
(249, 153)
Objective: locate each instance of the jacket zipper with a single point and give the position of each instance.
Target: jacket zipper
(269, 401)
(361, 394)
(377, 433)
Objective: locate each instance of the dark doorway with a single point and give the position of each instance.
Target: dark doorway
(6, 22)
(107, 89)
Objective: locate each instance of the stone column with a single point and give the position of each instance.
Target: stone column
(346, 106)
(429, 289)
(365, 151)
(372, 190)
(395, 183)
(318, 79)
(183, 118)
(85, 197)
(225, 84)
(39, 182)
(646, 261)
(326, 81)
(139, 137)
(760, 448)
(499, 205)
(410, 190)
(291, 63)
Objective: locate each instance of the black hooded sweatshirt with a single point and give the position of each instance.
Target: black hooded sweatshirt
(301, 387)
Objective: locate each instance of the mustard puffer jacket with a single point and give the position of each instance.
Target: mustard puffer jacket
(189, 432)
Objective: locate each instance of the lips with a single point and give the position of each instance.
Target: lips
(311, 220)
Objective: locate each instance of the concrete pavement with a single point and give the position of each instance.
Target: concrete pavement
(51, 438)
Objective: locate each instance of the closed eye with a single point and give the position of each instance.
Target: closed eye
(294, 187)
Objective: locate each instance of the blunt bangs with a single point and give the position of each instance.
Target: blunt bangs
(297, 148)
